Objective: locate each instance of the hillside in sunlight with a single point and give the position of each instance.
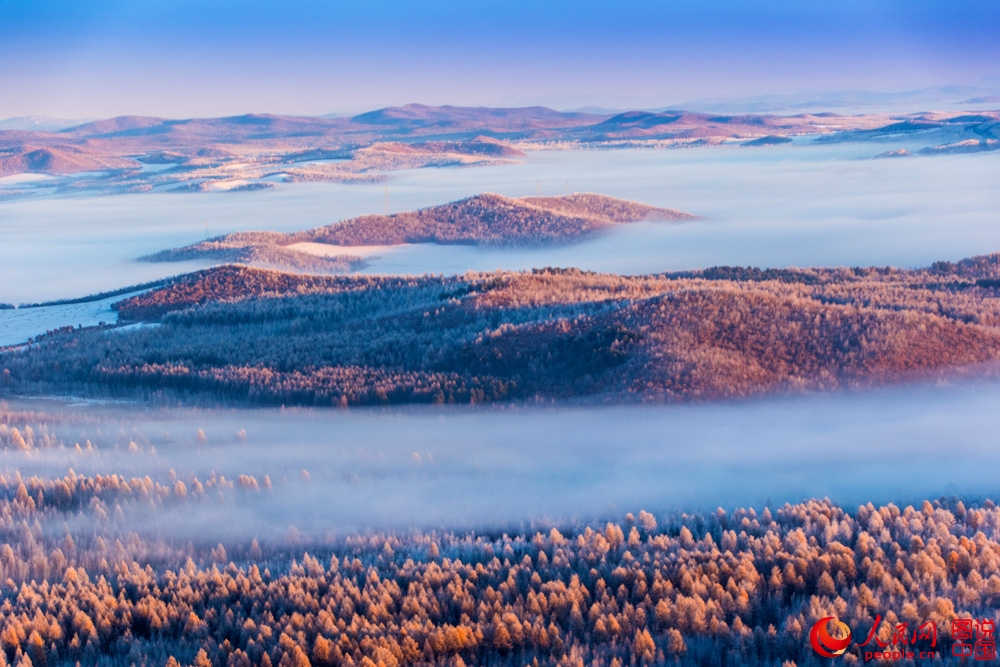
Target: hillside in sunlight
(240, 334)
(486, 219)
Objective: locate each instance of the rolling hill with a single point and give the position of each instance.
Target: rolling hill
(492, 219)
(249, 335)
(57, 159)
(482, 219)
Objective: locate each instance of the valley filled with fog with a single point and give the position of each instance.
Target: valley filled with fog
(504, 334)
(802, 204)
(799, 204)
(490, 468)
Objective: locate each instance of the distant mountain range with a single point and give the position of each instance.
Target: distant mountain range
(252, 151)
(514, 119)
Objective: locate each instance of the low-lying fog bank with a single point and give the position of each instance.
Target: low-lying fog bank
(796, 204)
(343, 470)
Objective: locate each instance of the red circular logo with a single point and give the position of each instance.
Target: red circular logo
(826, 644)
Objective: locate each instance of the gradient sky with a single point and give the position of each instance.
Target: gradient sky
(184, 58)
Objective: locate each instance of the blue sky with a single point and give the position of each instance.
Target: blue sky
(184, 58)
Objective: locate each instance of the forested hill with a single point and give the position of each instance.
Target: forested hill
(494, 219)
(248, 335)
(487, 219)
